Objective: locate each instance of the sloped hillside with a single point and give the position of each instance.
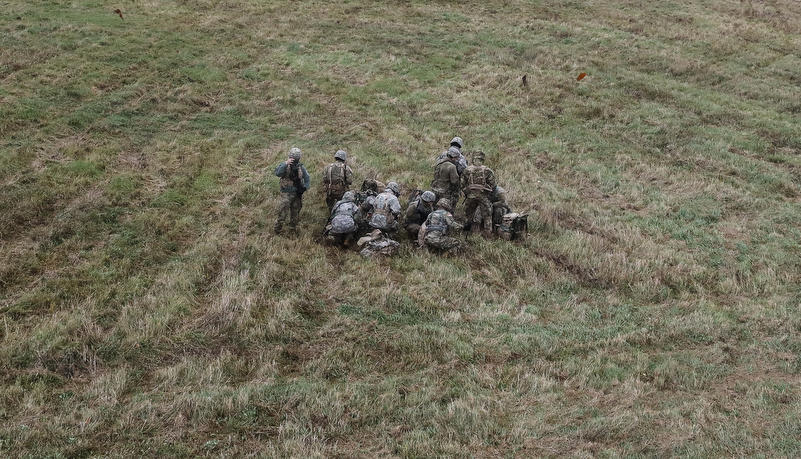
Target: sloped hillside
(148, 310)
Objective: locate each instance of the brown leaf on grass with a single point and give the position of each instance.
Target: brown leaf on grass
(581, 76)
(119, 12)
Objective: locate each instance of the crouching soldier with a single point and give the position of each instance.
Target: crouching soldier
(345, 219)
(438, 224)
(417, 213)
(500, 207)
(386, 209)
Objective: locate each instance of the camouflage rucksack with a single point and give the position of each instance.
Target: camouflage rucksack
(514, 226)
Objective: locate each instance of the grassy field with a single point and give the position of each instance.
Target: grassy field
(148, 311)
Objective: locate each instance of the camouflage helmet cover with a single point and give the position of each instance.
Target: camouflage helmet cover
(453, 152)
(444, 203)
(349, 196)
(294, 153)
(457, 142)
(393, 187)
(428, 196)
(341, 154)
(478, 154)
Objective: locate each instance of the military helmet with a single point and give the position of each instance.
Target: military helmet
(393, 187)
(478, 154)
(341, 154)
(349, 196)
(453, 152)
(444, 203)
(457, 142)
(294, 153)
(428, 196)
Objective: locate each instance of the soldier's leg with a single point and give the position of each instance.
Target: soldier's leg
(294, 216)
(470, 206)
(284, 202)
(332, 198)
(485, 209)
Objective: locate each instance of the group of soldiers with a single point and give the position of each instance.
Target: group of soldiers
(375, 210)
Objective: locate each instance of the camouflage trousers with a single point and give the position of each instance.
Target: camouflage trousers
(437, 240)
(332, 197)
(483, 205)
(412, 230)
(289, 203)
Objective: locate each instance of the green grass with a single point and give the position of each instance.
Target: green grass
(147, 310)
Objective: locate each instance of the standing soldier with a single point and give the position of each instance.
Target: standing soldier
(437, 227)
(417, 213)
(478, 181)
(294, 182)
(337, 178)
(461, 163)
(386, 209)
(446, 177)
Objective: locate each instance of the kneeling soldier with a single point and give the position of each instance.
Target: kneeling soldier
(437, 226)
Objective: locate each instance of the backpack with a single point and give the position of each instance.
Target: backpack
(335, 175)
(436, 221)
(514, 226)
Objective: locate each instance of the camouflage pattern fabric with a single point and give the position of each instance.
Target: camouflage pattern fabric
(386, 209)
(478, 183)
(461, 163)
(446, 181)
(345, 218)
(337, 178)
(289, 203)
(438, 224)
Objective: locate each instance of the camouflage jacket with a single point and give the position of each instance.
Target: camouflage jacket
(446, 178)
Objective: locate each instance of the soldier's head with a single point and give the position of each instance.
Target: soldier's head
(428, 197)
(294, 153)
(457, 142)
(453, 153)
(349, 196)
(479, 157)
(444, 203)
(394, 188)
(340, 155)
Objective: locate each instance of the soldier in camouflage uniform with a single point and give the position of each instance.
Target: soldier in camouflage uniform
(446, 177)
(337, 178)
(294, 182)
(417, 213)
(386, 209)
(500, 206)
(438, 224)
(461, 163)
(345, 219)
(478, 181)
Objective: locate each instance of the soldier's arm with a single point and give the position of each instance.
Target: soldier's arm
(454, 177)
(452, 223)
(306, 177)
(280, 170)
(325, 174)
(491, 179)
(348, 176)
